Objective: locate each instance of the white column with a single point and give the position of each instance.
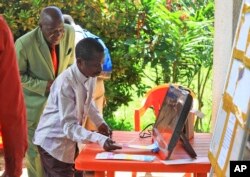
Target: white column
(222, 50)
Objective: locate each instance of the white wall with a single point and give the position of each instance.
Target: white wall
(222, 49)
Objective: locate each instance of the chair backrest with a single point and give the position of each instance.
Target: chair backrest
(154, 99)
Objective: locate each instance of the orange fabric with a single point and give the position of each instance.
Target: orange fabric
(54, 59)
(12, 107)
(1, 141)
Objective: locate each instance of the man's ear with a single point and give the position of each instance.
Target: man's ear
(40, 24)
(79, 61)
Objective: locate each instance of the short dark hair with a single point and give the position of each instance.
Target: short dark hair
(87, 48)
(50, 14)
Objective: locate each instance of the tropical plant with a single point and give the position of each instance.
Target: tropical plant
(177, 44)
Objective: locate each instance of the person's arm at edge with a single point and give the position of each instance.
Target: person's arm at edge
(13, 121)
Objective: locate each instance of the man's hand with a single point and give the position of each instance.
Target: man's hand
(105, 130)
(49, 85)
(110, 145)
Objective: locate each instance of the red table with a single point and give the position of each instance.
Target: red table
(86, 159)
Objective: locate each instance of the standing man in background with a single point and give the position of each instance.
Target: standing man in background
(99, 92)
(12, 107)
(42, 54)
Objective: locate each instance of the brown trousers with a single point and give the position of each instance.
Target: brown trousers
(55, 168)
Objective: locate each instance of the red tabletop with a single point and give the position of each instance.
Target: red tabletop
(86, 159)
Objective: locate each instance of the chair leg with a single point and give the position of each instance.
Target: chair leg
(110, 174)
(99, 174)
(188, 175)
(148, 174)
(195, 175)
(133, 174)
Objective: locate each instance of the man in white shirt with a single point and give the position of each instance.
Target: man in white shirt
(70, 101)
(99, 92)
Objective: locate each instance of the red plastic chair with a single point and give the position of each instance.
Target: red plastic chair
(154, 99)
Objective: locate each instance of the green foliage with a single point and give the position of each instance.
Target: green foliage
(174, 39)
(178, 44)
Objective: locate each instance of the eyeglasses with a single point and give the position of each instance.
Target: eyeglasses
(54, 32)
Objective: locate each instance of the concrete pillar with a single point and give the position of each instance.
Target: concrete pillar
(226, 21)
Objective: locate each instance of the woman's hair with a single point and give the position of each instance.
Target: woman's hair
(87, 48)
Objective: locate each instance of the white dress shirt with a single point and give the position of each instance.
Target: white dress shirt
(69, 102)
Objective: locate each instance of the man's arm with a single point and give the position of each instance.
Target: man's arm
(95, 115)
(71, 126)
(30, 83)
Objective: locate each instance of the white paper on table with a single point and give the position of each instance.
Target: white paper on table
(185, 161)
(150, 147)
(113, 156)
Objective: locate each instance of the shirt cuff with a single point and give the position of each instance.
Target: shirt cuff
(98, 138)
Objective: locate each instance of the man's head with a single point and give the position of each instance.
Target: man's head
(89, 57)
(52, 24)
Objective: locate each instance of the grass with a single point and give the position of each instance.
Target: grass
(126, 113)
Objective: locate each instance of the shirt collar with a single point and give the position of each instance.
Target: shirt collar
(79, 76)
